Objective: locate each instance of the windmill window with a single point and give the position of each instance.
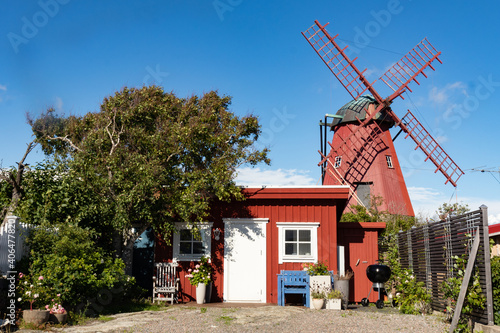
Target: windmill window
(298, 242)
(338, 162)
(389, 161)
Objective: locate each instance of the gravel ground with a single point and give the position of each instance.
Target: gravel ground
(288, 319)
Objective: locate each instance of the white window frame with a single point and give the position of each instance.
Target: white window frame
(338, 162)
(312, 226)
(388, 158)
(206, 239)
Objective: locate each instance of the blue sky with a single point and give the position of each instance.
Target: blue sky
(70, 54)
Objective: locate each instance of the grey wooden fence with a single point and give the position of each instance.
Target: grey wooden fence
(12, 247)
(429, 250)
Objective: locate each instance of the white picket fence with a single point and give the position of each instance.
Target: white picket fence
(12, 246)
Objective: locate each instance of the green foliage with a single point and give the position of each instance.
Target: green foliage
(202, 272)
(150, 158)
(495, 280)
(411, 295)
(474, 297)
(72, 266)
(319, 268)
(454, 209)
(333, 294)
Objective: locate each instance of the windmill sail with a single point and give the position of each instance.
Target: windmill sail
(338, 62)
(444, 163)
(409, 67)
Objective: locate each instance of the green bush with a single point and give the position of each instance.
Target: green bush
(72, 266)
(411, 295)
(495, 279)
(474, 298)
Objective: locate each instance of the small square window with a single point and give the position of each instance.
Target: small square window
(191, 243)
(298, 241)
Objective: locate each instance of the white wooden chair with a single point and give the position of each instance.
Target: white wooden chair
(165, 282)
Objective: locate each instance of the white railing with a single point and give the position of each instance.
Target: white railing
(12, 246)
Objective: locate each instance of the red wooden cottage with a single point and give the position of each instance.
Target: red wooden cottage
(276, 228)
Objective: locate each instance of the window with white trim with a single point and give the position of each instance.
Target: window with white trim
(389, 161)
(191, 242)
(338, 162)
(298, 242)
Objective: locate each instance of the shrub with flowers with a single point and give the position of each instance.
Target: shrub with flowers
(55, 305)
(31, 289)
(318, 268)
(201, 273)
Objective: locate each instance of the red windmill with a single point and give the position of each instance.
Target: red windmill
(362, 152)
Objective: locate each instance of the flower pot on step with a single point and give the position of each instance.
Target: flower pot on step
(58, 318)
(201, 290)
(36, 317)
(318, 303)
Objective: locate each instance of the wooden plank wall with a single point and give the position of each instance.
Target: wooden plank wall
(429, 250)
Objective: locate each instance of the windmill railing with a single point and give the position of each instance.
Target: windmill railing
(430, 250)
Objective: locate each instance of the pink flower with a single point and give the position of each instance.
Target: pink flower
(190, 270)
(21, 275)
(40, 278)
(58, 295)
(197, 266)
(47, 307)
(52, 300)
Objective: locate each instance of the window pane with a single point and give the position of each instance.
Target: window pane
(304, 235)
(185, 235)
(185, 247)
(290, 249)
(304, 249)
(198, 248)
(290, 235)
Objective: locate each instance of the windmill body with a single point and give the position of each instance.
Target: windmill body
(375, 171)
(362, 153)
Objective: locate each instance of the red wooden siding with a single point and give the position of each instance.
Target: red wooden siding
(316, 204)
(360, 241)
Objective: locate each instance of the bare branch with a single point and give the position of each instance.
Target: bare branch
(113, 133)
(65, 139)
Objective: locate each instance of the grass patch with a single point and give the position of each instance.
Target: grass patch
(203, 310)
(105, 318)
(226, 319)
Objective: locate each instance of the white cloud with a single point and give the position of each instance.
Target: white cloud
(59, 104)
(426, 201)
(442, 96)
(248, 176)
(2, 87)
(423, 194)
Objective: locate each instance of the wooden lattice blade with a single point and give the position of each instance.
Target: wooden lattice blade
(444, 163)
(409, 67)
(338, 62)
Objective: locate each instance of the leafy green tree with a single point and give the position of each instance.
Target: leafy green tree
(151, 158)
(454, 209)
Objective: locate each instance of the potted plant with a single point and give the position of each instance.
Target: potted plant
(319, 276)
(58, 314)
(334, 300)
(200, 276)
(341, 283)
(30, 289)
(318, 295)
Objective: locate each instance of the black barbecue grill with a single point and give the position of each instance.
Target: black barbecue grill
(378, 275)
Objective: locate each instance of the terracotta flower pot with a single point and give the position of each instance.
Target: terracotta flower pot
(58, 318)
(36, 317)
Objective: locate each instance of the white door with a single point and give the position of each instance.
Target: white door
(245, 260)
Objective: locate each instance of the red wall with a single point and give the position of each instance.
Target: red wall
(360, 241)
(321, 204)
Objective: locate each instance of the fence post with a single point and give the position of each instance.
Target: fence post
(487, 264)
(465, 281)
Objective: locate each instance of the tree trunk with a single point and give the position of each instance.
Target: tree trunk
(123, 244)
